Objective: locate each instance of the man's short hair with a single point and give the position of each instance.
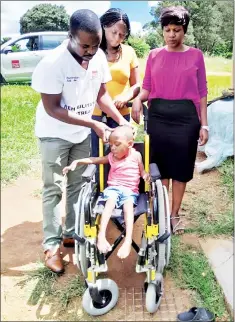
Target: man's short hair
(84, 20)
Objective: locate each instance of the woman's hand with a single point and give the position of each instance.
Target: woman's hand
(120, 101)
(137, 110)
(203, 135)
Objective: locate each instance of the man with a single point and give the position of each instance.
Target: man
(70, 79)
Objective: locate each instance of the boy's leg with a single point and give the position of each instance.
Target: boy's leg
(77, 151)
(125, 249)
(102, 243)
(54, 154)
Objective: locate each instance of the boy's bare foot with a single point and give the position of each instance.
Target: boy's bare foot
(125, 249)
(103, 245)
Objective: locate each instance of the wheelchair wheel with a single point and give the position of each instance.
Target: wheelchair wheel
(154, 294)
(161, 247)
(108, 289)
(168, 226)
(80, 250)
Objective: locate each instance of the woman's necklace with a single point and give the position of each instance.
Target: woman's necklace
(113, 57)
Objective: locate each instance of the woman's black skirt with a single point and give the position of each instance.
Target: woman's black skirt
(173, 126)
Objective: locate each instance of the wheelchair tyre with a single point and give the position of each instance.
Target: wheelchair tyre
(77, 221)
(80, 250)
(168, 226)
(109, 290)
(161, 247)
(154, 295)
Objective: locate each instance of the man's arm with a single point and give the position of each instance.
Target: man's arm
(51, 103)
(107, 106)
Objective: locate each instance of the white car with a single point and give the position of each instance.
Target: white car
(19, 56)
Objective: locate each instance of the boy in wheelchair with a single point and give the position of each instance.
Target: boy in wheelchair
(126, 168)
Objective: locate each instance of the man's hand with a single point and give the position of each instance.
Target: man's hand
(71, 167)
(102, 130)
(137, 110)
(203, 135)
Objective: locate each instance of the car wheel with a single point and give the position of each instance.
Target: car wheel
(2, 80)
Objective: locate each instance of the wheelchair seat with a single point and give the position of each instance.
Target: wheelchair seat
(118, 214)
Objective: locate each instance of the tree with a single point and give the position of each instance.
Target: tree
(211, 23)
(5, 39)
(45, 17)
(139, 45)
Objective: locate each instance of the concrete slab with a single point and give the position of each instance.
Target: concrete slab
(220, 255)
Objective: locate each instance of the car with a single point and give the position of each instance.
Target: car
(20, 55)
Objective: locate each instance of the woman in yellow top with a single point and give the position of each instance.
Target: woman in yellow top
(123, 64)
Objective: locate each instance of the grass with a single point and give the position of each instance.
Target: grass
(49, 287)
(227, 171)
(18, 142)
(207, 223)
(192, 270)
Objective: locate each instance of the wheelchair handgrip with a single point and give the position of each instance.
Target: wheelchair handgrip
(154, 172)
(89, 172)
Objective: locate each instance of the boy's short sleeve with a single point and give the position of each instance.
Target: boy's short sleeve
(47, 78)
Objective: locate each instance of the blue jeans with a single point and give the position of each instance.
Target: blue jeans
(95, 142)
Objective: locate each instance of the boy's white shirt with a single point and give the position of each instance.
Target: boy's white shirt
(59, 73)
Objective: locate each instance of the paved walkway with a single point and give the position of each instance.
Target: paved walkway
(220, 255)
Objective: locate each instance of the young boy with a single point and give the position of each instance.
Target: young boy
(126, 168)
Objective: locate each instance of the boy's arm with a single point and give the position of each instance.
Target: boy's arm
(143, 173)
(91, 160)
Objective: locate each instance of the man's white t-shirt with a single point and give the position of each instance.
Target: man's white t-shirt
(59, 72)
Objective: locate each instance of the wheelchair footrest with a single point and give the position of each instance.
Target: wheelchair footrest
(79, 239)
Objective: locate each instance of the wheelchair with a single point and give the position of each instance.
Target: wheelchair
(153, 254)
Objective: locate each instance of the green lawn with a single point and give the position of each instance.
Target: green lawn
(18, 142)
(19, 145)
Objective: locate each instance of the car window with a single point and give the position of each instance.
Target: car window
(52, 41)
(26, 44)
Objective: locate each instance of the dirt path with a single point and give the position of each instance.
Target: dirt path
(21, 239)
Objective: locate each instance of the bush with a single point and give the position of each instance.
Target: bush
(140, 46)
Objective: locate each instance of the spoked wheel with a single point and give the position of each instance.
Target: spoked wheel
(109, 292)
(154, 295)
(168, 225)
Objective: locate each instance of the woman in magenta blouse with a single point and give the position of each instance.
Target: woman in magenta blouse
(176, 90)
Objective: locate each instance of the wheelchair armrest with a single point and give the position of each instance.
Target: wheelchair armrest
(154, 172)
(89, 172)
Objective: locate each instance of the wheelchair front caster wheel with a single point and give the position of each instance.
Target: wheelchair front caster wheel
(154, 295)
(108, 289)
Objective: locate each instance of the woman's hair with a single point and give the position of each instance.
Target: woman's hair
(85, 20)
(109, 18)
(175, 15)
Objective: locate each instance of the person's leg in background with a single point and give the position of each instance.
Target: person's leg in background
(54, 154)
(74, 183)
(178, 189)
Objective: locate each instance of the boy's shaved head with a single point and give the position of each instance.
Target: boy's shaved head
(123, 131)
